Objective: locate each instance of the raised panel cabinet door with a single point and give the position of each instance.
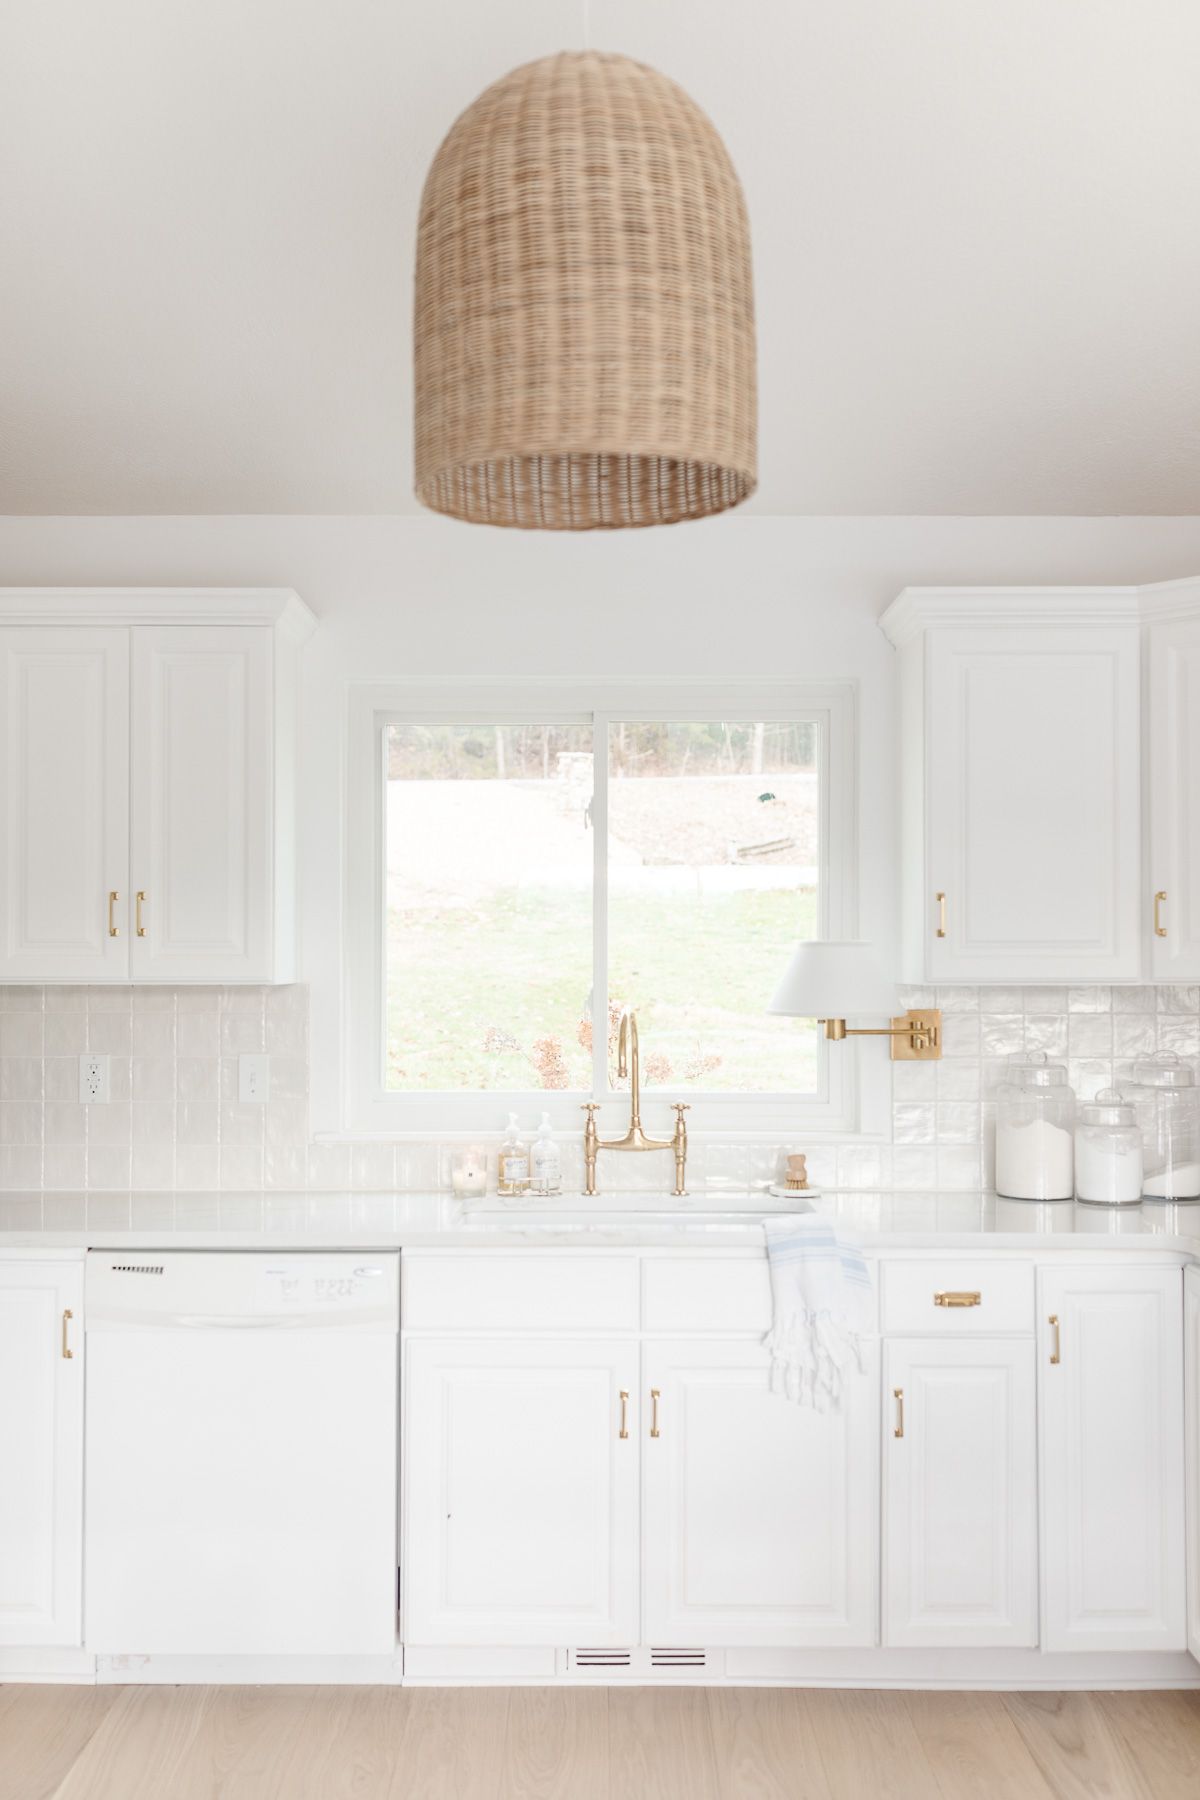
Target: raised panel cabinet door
(64, 804)
(1173, 881)
(1033, 759)
(41, 1452)
(1110, 1378)
(761, 1517)
(520, 1495)
(201, 861)
(1191, 1328)
(960, 1492)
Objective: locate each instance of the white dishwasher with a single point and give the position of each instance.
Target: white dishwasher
(241, 1453)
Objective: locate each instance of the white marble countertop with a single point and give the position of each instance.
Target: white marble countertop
(332, 1221)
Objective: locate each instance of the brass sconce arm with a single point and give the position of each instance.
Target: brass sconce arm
(916, 1036)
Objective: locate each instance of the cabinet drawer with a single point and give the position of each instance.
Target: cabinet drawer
(531, 1291)
(706, 1293)
(956, 1296)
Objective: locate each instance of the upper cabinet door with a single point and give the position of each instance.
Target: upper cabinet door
(201, 863)
(1110, 1376)
(41, 1430)
(64, 804)
(1173, 883)
(760, 1517)
(1032, 772)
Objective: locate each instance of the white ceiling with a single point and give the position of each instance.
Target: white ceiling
(976, 235)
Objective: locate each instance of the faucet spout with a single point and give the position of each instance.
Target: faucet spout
(629, 1064)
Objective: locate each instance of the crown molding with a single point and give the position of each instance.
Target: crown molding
(280, 608)
(915, 609)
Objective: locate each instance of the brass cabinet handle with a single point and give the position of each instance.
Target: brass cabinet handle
(113, 897)
(624, 1431)
(655, 1397)
(962, 1298)
(941, 929)
(67, 1351)
(1056, 1356)
(141, 896)
(1160, 900)
(898, 1397)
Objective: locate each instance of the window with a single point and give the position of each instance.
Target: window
(520, 873)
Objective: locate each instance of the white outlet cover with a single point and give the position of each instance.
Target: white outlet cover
(254, 1080)
(93, 1080)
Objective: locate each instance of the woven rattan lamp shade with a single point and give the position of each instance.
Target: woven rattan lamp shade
(584, 307)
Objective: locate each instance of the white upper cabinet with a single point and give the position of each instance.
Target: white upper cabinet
(147, 781)
(41, 1431)
(1021, 764)
(1173, 721)
(64, 804)
(760, 1517)
(1110, 1378)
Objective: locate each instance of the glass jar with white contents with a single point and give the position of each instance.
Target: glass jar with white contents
(1035, 1130)
(1164, 1092)
(1108, 1151)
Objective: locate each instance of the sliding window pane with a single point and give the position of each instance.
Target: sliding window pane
(713, 855)
(489, 907)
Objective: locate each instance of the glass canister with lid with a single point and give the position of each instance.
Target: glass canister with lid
(1035, 1130)
(1167, 1101)
(1108, 1151)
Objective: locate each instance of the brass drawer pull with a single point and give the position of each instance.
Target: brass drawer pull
(67, 1351)
(141, 900)
(655, 1397)
(898, 1397)
(1056, 1354)
(941, 929)
(113, 897)
(1160, 900)
(964, 1297)
(624, 1431)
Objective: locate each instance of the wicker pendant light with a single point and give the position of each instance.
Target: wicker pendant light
(584, 308)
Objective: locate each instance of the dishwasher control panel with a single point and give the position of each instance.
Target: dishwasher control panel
(196, 1288)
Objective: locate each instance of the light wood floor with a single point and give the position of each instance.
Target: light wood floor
(155, 1743)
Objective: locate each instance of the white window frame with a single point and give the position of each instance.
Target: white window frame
(368, 1109)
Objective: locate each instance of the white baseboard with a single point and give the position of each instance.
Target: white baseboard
(63, 1666)
(250, 1671)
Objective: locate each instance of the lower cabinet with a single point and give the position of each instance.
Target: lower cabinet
(1110, 1363)
(960, 1492)
(760, 1517)
(520, 1495)
(1191, 1375)
(41, 1452)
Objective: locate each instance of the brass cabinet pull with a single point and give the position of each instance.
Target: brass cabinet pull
(1160, 900)
(67, 1351)
(141, 896)
(898, 1397)
(962, 1298)
(655, 1397)
(1056, 1356)
(624, 1431)
(113, 897)
(941, 900)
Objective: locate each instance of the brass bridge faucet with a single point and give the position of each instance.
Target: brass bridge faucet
(635, 1138)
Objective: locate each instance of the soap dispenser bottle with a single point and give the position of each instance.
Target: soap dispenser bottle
(545, 1162)
(513, 1170)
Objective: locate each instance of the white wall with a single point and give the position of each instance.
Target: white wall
(735, 597)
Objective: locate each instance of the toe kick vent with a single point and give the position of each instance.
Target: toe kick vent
(601, 1659)
(644, 1661)
(678, 1659)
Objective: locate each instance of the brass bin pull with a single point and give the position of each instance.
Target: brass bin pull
(624, 1431)
(113, 897)
(67, 1351)
(963, 1297)
(141, 897)
(1160, 900)
(941, 929)
(898, 1397)
(1056, 1356)
(655, 1397)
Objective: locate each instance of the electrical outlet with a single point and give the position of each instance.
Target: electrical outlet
(93, 1080)
(254, 1080)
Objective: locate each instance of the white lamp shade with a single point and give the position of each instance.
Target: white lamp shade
(833, 981)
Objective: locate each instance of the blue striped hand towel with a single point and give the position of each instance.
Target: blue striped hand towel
(821, 1289)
